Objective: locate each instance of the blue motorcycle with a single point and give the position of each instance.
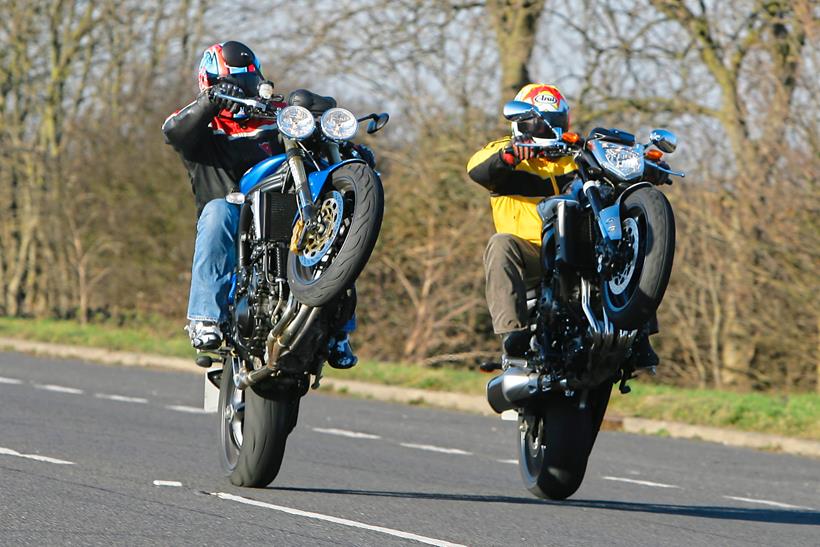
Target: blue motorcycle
(309, 220)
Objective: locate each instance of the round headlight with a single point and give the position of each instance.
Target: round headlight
(339, 124)
(296, 122)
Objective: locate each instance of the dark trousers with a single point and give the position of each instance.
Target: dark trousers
(511, 266)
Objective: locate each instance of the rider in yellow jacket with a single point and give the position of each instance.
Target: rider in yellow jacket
(518, 178)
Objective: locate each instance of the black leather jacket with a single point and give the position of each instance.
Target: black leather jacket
(216, 148)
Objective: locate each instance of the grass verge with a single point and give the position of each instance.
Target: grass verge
(794, 415)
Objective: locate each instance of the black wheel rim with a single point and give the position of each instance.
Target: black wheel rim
(532, 448)
(624, 284)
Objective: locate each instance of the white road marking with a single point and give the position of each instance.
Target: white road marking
(167, 483)
(767, 502)
(337, 520)
(12, 381)
(121, 398)
(36, 457)
(642, 483)
(59, 389)
(188, 409)
(432, 448)
(514, 462)
(346, 433)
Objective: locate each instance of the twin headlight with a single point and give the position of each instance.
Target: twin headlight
(297, 122)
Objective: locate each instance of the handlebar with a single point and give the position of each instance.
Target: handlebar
(250, 103)
(680, 174)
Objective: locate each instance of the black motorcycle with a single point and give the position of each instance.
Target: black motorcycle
(607, 250)
(308, 223)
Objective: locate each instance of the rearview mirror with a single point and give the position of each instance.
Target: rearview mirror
(377, 122)
(666, 141)
(517, 111)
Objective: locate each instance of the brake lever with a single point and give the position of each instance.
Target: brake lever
(680, 174)
(250, 103)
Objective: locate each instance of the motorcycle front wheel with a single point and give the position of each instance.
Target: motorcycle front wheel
(351, 209)
(555, 441)
(633, 293)
(253, 431)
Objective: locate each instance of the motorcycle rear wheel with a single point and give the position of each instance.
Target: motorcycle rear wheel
(555, 448)
(253, 432)
(632, 296)
(362, 214)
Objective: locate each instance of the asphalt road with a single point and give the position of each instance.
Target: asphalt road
(96, 455)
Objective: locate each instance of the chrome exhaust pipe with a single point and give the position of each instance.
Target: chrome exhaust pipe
(284, 335)
(512, 387)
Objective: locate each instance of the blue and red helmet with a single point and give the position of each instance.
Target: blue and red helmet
(232, 62)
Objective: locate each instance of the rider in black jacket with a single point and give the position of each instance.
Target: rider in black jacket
(218, 143)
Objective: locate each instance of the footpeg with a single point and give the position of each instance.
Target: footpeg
(489, 367)
(204, 361)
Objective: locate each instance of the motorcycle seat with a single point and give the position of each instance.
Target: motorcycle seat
(317, 104)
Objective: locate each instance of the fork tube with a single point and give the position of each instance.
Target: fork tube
(300, 182)
(333, 152)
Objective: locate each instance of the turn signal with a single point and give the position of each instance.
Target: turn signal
(653, 155)
(571, 138)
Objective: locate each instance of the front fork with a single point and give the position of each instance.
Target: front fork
(307, 211)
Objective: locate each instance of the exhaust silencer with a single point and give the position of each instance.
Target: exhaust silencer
(513, 386)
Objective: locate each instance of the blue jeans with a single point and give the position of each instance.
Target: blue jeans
(214, 261)
(214, 264)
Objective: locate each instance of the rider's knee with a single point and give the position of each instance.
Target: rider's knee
(501, 247)
(217, 214)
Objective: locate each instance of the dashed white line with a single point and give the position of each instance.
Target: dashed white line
(642, 483)
(36, 457)
(441, 449)
(12, 381)
(768, 502)
(167, 483)
(337, 520)
(121, 398)
(514, 462)
(188, 409)
(59, 389)
(345, 433)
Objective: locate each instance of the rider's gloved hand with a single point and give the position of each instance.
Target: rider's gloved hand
(226, 89)
(656, 176)
(516, 154)
(366, 154)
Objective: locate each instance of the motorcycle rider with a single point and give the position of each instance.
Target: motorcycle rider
(218, 142)
(518, 178)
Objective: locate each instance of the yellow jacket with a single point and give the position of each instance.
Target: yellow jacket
(516, 191)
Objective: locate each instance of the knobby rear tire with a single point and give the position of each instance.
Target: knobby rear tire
(358, 243)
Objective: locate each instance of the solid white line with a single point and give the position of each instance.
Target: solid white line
(12, 381)
(432, 448)
(59, 389)
(642, 483)
(36, 457)
(514, 462)
(767, 502)
(121, 398)
(188, 409)
(337, 520)
(346, 433)
(167, 483)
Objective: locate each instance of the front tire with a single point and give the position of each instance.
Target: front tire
(632, 296)
(253, 432)
(363, 196)
(555, 446)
